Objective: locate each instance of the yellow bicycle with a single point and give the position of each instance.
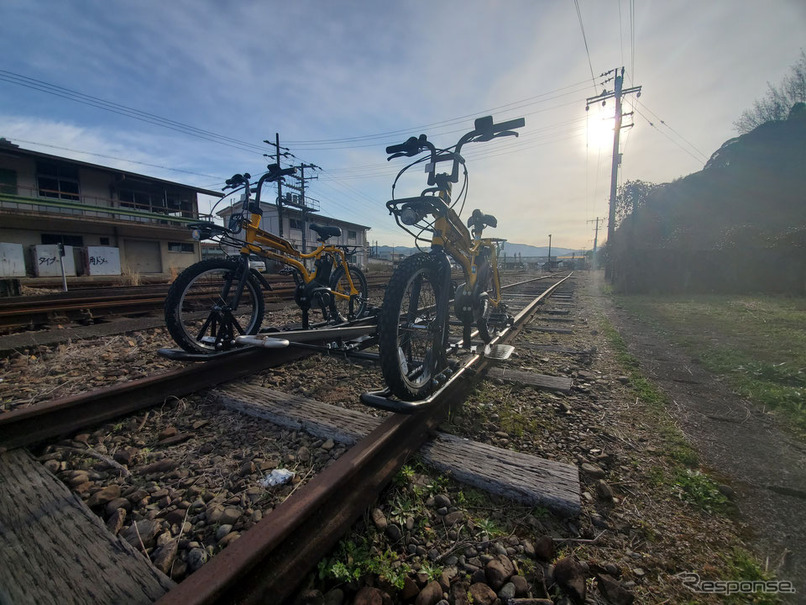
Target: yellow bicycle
(215, 300)
(414, 319)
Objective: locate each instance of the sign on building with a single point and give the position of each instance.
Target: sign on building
(102, 260)
(47, 262)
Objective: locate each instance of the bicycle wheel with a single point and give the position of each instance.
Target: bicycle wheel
(198, 310)
(339, 283)
(409, 335)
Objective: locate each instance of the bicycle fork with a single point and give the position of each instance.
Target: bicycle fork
(443, 312)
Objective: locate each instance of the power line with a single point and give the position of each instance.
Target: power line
(585, 39)
(340, 143)
(123, 110)
(632, 40)
(702, 156)
(112, 157)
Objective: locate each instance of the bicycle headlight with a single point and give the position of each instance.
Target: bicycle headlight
(410, 215)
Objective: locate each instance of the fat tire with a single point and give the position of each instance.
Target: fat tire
(360, 282)
(179, 289)
(393, 345)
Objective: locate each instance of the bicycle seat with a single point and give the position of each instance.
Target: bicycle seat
(326, 231)
(478, 220)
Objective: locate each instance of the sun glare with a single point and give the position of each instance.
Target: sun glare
(599, 132)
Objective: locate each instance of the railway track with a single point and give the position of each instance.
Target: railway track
(294, 537)
(88, 305)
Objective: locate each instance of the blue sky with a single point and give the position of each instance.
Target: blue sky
(340, 80)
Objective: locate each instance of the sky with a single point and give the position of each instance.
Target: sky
(188, 90)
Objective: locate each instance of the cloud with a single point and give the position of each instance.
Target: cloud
(317, 70)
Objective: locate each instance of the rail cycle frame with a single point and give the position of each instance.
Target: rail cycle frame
(201, 322)
(414, 319)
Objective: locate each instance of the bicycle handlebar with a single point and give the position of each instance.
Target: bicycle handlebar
(275, 173)
(237, 179)
(412, 146)
(484, 128)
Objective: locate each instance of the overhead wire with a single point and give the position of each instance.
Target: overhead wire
(585, 40)
(112, 157)
(700, 156)
(124, 110)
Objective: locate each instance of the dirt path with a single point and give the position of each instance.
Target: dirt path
(739, 444)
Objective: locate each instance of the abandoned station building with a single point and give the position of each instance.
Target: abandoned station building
(109, 221)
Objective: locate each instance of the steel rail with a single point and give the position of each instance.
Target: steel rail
(53, 419)
(22, 311)
(268, 562)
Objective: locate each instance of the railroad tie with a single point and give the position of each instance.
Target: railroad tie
(542, 381)
(69, 554)
(521, 477)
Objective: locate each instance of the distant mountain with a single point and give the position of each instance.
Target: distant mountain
(509, 250)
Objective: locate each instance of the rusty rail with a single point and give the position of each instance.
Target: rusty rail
(269, 561)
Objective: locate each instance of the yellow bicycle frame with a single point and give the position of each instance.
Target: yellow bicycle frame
(287, 254)
(453, 236)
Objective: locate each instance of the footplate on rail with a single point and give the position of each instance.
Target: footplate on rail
(384, 400)
(358, 332)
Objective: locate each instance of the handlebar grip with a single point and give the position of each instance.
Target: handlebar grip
(510, 125)
(233, 182)
(411, 143)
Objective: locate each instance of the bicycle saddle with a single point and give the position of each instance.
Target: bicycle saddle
(479, 220)
(326, 231)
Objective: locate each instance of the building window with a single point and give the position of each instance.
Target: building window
(179, 247)
(57, 180)
(8, 181)
(352, 234)
(156, 201)
(77, 241)
(295, 223)
(104, 241)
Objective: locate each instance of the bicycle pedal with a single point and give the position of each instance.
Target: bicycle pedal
(498, 352)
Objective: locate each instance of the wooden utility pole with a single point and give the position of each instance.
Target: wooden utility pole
(303, 205)
(616, 94)
(595, 240)
(276, 145)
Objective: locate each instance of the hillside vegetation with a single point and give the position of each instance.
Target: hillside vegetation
(737, 225)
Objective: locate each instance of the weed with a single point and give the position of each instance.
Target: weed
(700, 490)
(489, 528)
(433, 572)
(351, 560)
(743, 567)
(404, 476)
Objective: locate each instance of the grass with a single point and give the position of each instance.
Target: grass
(677, 448)
(756, 344)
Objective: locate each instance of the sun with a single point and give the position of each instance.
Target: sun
(599, 131)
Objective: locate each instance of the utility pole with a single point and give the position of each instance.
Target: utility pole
(595, 240)
(617, 94)
(303, 205)
(549, 252)
(277, 148)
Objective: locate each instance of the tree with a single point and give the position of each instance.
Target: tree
(631, 196)
(779, 100)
